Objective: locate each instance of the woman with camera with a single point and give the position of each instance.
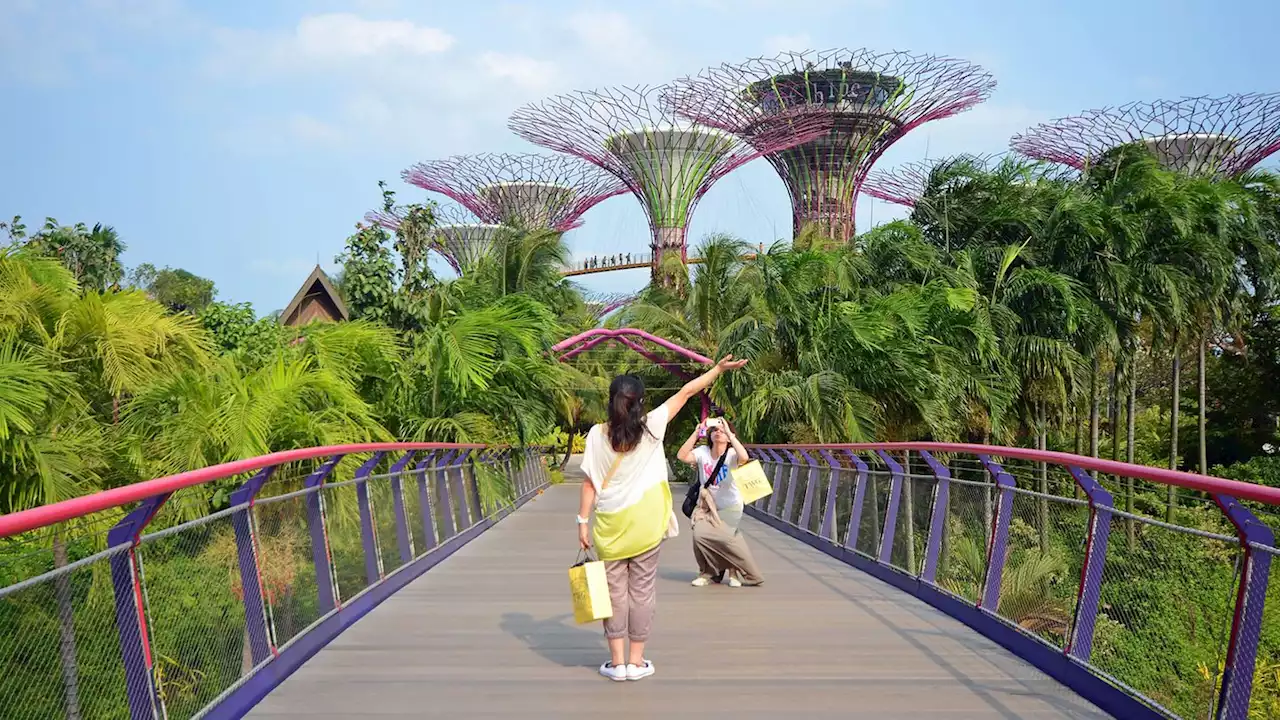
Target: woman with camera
(719, 549)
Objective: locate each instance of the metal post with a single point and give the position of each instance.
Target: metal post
(859, 494)
(778, 483)
(424, 502)
(891, 512)
(999, 546)
(827, 530)
(1080, 642)
(793, 480)
(131, 617)
(325, 586)
(810, 489)
(447, 525)
(770, 468)
(404, 540)
(368, 531)
(255, 616)
(938, 520)
(460, 491)
(1246, 625)
(475, 492)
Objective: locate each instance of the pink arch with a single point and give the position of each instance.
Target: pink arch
(583, 342)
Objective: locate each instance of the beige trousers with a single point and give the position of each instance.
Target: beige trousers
(634, 594)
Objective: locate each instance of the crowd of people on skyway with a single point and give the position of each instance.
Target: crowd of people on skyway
(607, 261)
(625, 509)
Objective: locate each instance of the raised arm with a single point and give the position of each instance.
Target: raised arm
(736, 444)
(685, 453)
(676, 402)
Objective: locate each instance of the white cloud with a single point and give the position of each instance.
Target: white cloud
(525, 72)
(344, 35)
(782, 43)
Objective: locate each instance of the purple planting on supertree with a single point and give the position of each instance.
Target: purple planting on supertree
(868, 100)
(1204, 136)
(667, 161)
(523, 189)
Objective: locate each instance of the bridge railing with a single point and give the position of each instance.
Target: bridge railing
(1084, 567)
(194, 595)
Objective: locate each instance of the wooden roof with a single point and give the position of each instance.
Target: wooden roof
(317, 299)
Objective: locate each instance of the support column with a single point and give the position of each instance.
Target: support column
(793, 480)
(404, 540)
(891, 511)
(811, 487)
(1246, 625)
(827, 530)
(447, 526)
(131, 616)
(255, 616)
(368, 531)
(1080, 642)
(318, 528)
(998, 549)
(859, 495)
(424, 501)
(938, 520)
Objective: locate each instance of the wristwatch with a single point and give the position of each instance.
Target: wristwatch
(582, 520)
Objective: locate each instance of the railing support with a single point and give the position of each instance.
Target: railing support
(368, 530)
(828, 529)
(891, 511)
(318, 529)
(447, 525)
(404, 540)
(810, 488)
(793, 479)
(999, 546)
(255, 616)
(424, 502)
(859, 495)
(131, 616)
(770, 467)
(475, 492)
(460, 491)
(938, 520)
(1080, 642)
(1246, 625)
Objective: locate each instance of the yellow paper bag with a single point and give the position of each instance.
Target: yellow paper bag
(751, 481)
(590, 590)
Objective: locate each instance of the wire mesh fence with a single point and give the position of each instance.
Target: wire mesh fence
(226, 575)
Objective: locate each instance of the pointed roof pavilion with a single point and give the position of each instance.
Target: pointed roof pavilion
(317, 299)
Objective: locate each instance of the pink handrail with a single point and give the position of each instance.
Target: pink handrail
(45, 515)
(1191, 481)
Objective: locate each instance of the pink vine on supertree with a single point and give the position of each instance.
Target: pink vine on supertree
(525, 189)
(1208, 136)
(868, 100)
(668, 162)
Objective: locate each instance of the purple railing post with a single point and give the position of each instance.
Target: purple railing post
(779, 482)
(404, 540)
(325, 585)
(793, 480)
(368, 530)
(424, 501)
(447, 525)
(937, 521)
(463, 507)
(1246, 625)
(999, 546)
(770, 467)
(827, 530)
(255, 615)
(1080, 641)
(131, 617)
(810, 488)
(891, 512)
(859, 493)
(475, 488)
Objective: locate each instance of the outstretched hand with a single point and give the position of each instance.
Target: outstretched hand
(727, 363)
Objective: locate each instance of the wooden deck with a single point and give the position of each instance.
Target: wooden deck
(488, 633)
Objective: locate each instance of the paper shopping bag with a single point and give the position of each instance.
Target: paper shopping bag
(590, 589)
(751, 481)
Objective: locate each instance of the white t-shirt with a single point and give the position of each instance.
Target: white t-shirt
(638, 470)
(724, 490)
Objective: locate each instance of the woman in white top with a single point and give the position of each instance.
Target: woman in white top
(718, 546)
(627, 488)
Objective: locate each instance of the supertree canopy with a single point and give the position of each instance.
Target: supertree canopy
(905, 184)
(666, 161)
(456, 236)
(1222, 136)
(868, 101)
(544, 191)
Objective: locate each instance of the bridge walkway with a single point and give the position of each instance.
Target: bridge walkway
(488, 633)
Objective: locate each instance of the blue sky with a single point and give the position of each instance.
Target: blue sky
(243, 139)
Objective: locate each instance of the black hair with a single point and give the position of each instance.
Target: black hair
(626, 413)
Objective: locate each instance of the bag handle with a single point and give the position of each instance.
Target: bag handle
(719, 464)
(585, 556)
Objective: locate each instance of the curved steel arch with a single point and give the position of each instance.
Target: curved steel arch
(632, 338)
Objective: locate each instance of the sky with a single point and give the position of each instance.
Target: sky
(242, 140)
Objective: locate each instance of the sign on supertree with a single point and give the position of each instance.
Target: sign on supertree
(524, 189)
(869, 100)
(668, 162)
(1213, 137)
(456, 236)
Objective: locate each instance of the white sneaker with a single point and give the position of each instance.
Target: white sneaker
(616, 673)
(734, 582)
(640, 672)
(701, 581)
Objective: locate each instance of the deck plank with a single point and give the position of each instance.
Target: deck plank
(489, 633)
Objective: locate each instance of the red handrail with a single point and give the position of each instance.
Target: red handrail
(1191, 481)
(45, 515)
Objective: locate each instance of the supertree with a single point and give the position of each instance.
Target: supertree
(869, 100)
(905, 184)
(528, 189)
(666, 161)
(1223, 136)
(456, 236)
(602, 304)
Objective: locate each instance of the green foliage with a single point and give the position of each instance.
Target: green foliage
(179, 290)
(92, 255)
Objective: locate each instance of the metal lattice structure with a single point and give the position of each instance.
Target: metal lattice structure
(1210, 136)
(459, 238)
(602, 304)
(526, 189)
(905, 184)
(668, 162)
(866, 100)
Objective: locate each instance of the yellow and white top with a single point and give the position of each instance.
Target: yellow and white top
(632, 511)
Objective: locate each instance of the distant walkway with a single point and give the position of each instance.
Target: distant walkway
(489, 633)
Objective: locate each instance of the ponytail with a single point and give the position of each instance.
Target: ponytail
(626, 413)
